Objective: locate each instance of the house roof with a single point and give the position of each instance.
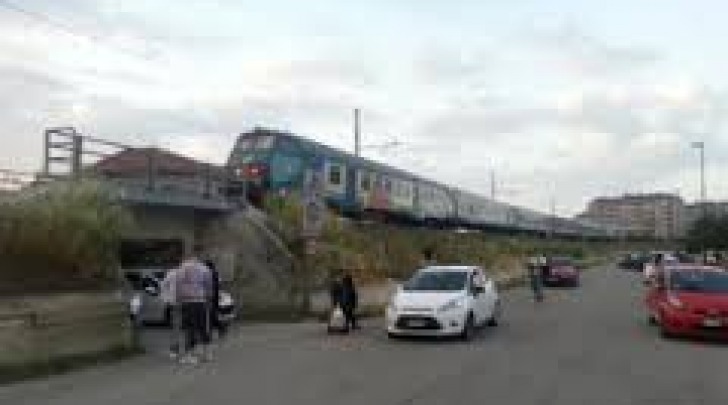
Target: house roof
(136, 162)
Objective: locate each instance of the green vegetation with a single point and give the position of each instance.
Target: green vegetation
(64, 237)
(708, 233)
(374, 251)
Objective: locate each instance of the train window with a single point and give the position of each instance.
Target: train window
(265, 142)
(247, 143)
(335, 175)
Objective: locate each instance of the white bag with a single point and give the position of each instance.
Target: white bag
(337, 321)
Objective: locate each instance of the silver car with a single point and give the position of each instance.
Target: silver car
(147, 307)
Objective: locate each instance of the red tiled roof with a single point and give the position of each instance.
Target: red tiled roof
(135, 162)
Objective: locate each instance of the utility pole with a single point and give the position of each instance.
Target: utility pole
(703, 199)
(492, 184)
(357, 132)
(552, 208)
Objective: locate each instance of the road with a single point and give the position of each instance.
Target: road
(588, 346)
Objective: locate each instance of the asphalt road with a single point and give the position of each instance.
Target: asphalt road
(588, 346)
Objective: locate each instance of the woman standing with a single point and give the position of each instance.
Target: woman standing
(349, 301)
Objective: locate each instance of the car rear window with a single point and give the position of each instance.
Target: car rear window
(699, 281)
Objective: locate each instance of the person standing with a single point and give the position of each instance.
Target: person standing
(214, 302)
(535, 273)
(193, 292)
(652, 268)
(349, 301)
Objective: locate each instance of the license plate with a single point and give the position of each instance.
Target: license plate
(712, 323)
(416, 323)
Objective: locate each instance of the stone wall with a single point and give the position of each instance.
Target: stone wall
(44, 329)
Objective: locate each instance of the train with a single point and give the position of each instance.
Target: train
(272, 161)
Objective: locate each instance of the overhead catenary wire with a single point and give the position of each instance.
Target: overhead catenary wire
(67, 29)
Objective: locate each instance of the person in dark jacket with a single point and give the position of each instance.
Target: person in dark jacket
(214, 304)
(335, 292)
(349, 301)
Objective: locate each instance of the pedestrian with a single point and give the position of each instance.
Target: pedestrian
(535, 273)
(652, 268)
(167, 292)
(214, 302)
(193, 290)
(335, 292)
(349, 302)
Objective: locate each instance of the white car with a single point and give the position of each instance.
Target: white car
(443, 301)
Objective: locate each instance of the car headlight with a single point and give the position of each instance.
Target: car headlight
(453, 304)
(675, 302)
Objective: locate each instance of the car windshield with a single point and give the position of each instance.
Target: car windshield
(437, 281)
(699, 281)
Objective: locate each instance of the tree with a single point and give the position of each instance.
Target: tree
(708, 233)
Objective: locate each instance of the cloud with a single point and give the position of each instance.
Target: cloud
(570, 49)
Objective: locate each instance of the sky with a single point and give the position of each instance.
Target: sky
(560, 99)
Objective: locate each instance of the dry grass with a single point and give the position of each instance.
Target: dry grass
(60, 238)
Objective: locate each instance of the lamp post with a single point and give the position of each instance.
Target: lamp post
(703, 203)
(703, 199)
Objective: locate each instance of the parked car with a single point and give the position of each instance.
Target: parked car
(444, 301)
(560, 272)
(147, 306)
(633, 261)
(690, 300)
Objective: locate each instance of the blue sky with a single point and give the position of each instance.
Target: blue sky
(568, 98)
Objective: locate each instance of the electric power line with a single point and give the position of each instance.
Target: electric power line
(68, 29)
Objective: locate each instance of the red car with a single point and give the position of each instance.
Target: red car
(690, 300)
(560, 272)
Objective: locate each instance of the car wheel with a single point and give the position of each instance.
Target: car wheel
(392, 336)
(468, 328)
(495, 318)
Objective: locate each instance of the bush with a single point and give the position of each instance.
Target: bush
(62, 237)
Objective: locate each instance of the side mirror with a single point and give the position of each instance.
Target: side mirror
(478, 289)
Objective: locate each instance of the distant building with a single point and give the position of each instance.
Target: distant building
(657, 215)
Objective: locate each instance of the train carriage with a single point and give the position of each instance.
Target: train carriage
(271, 161)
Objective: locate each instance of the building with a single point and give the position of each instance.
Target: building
(657, 215)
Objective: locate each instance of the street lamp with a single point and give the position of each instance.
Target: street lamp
(703, 200)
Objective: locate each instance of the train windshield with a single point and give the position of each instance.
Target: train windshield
(264, 142)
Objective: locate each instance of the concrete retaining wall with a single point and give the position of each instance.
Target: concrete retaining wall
(41, 330)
